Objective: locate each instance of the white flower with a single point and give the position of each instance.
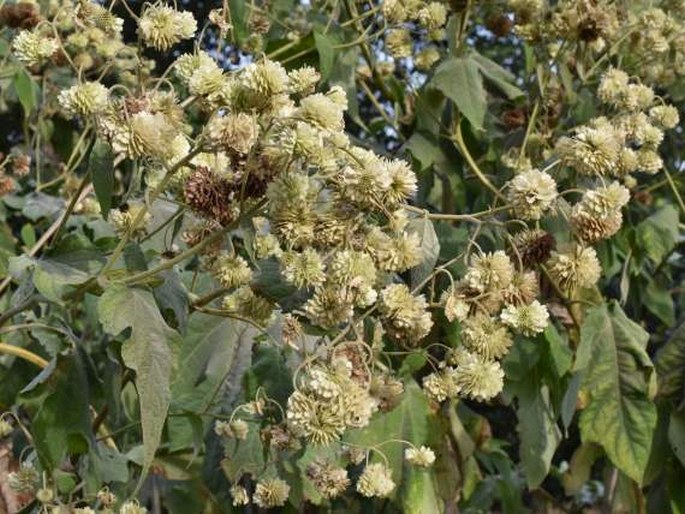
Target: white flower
(84, 99)
(529, 319)
(375, 480)
(531, 193)
(32, 48)
(162, 26)
(422, 456)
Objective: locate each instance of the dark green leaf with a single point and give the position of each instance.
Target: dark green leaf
(670, 364)
(101, 167)
(620, 414)
(58, 397)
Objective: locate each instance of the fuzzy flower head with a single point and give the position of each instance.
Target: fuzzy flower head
(303, 269)
(161, 26)
(440, 385)
(531, 193)
(320, 110)
(303, 80)
(399, 42)
(591, 151)
(84, 99)
(528, 320)
(486, 336)
(578, 268)
(598, 215)
(433, 15)
(271, 492)
(426, 58)
(490, 271)
(376, 481)
(260, 85)
(239, 495)
(665, 116)
(423, 456)
(406, 316)
(33, 48)
(613, 86)
(132, 507)
(478, 378)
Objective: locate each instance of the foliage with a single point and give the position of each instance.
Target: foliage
(381, 256)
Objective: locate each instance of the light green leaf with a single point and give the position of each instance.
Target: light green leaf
(670, 364)
(616, 371)
(657, 235)
(500, 78)
(27, 91)
(460, 80)
(147, 352)
(423, 149)
(101, 167)
(430, 248)
(420, 492)
(324, 46)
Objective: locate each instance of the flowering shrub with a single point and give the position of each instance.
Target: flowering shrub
(395, 256)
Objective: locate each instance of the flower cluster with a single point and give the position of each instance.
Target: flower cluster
(329, 399)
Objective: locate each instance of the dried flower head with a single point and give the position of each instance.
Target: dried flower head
(271, 492)
(328, 479)
(577, 268)
(406, 316)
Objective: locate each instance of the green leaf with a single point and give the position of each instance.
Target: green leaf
(499, 77)
(101, 167)
(659, 302)
(58, 398)
(147, 352)
(460, 80)
(676, 434)
(430, 249)
(580, 467)
(658, 234)
(423, 149)
(670, 364)
(325, 48)
(210, 358)
(27, 91)
(413, 421)
(558, 352)
(55, 276)
(616, 373)
(244, 456)
(538, 430)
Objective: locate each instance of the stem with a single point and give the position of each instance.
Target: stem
(676, 193)
(23, 354)
(144, 209)
(215, 236)
(459, 141)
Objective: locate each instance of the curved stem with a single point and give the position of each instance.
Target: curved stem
(463, 149)
(22, 353)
